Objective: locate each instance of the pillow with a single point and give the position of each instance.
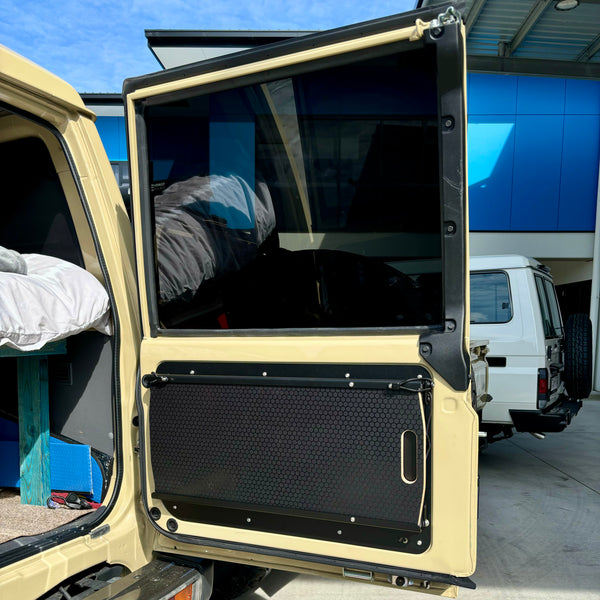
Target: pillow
(54, 300)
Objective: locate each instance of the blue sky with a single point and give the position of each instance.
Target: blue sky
(96, 44)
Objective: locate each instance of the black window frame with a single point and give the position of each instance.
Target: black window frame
(450, 73)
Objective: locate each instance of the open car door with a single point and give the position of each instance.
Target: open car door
(300, 222)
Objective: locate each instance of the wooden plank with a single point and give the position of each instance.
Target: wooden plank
(59, 347)
(34, 429)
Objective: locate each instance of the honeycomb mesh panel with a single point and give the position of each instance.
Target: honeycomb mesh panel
(327, 450)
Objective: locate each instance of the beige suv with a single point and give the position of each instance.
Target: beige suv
(272, 368)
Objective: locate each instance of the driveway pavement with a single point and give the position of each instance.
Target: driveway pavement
(539, 524)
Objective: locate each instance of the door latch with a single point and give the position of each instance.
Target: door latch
(154, 380)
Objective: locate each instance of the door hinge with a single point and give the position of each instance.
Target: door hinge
(448, 18)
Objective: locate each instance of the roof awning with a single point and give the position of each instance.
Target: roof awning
(526, 37)
(559, 38)
(173, 48)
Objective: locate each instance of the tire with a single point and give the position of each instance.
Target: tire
(578, 356)
(231, 580)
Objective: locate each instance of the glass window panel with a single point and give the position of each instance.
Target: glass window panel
(554, 308)
(490, 298)
(544, 307)
(310, 201)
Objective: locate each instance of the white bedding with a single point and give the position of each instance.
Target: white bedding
(54, 300)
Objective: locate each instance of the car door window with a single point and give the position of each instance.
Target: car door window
(490, 298)
(549, 308)
(554, 308)
(300, 202)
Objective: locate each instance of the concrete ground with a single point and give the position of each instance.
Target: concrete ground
(539, 524)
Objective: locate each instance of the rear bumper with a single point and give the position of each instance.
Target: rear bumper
(158, 580)
(553, 420)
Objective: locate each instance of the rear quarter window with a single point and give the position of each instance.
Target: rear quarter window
(490, 298)
(549, 307)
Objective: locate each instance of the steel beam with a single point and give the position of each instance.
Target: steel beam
(592, 49)
(527, 66)
(532, 18)
(473, 15)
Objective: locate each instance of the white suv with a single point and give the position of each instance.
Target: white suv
(539, 370)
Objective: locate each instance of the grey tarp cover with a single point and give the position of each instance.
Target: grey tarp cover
(207, 227)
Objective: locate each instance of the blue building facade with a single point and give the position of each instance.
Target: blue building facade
(534, 150)
(112, 132)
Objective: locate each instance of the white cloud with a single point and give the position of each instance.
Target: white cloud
(96, 44)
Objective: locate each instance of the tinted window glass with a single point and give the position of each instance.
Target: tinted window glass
(550, 329)
(554, 308)
(305, 202)
(549, 307)
(490, 298)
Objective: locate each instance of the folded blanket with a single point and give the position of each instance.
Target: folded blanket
(12, 262)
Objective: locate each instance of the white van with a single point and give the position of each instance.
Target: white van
(539, 370)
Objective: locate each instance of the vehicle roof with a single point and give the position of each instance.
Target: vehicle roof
(503, 261)
(25, 74)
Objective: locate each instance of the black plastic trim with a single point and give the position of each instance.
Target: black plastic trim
(109, 99)
(146, 218)
(283, 332)
(295, 44)
(464, 582)
(398, 537)
(496, 361)
(161, 38)
(195, 507)
(282, 72)
(553, 421)
(289, 371)
(445, 350)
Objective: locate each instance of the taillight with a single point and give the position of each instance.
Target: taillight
(542, 394)
(186, 593)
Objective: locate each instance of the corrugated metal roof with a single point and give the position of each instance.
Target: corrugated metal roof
(562, 35)
(532, 37)
(497, 22)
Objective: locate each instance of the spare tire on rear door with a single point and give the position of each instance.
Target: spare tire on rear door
(578, 356)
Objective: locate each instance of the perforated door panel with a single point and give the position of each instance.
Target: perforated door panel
(300, 449)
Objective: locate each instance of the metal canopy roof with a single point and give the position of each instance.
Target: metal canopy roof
(529, 37)
(176, 47)
(532, 37)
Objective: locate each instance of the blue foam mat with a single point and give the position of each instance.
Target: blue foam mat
(71, 465)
